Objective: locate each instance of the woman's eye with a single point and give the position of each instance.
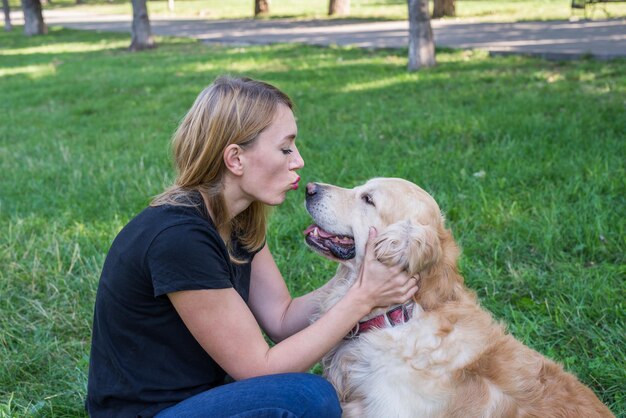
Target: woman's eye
(287, 151)
(368, 199)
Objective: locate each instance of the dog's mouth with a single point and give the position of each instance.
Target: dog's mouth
(338, 246)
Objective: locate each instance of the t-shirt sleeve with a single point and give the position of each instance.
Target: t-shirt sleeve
(188, 257)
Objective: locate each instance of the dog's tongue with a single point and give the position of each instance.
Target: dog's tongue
(320, 231)
(341, 247)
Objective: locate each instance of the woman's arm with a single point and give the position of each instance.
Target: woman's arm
(275, 310)
(224, 326)
(222, 323)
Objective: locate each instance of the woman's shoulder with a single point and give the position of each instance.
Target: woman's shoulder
(153, 221)
(186, 209)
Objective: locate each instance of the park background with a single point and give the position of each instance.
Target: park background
(525, 157)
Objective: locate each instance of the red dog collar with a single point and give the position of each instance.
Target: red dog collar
(395, 316)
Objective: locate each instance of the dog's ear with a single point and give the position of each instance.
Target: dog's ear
(412, 247)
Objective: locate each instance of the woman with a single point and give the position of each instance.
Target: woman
(189, 284)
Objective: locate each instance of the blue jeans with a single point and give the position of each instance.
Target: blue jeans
(283, 395)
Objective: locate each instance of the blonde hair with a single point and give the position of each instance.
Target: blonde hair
(229, 111)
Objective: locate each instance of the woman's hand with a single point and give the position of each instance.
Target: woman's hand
(380, 285)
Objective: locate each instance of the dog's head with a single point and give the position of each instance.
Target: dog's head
(411, 231)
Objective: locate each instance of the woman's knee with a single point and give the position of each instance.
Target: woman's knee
(299, 395)
(317, 396)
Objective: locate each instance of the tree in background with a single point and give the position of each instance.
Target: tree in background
(141, 33)
(444, 8)
(421, 43)
(33, 18)
(261, 7)
(338, 7)
(7, 15)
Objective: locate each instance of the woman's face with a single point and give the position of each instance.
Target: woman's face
(270, 164)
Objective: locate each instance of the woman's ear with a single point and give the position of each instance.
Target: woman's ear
(412, 247)
(232, 159)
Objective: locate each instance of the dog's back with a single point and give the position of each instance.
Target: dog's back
(454, 361)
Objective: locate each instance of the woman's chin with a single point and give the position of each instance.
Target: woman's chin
(276, 201)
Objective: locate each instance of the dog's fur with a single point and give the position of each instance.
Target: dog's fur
(452, 359)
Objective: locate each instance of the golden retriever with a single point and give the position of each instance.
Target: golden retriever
(443, 356)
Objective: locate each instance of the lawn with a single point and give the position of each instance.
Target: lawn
(484, 10)
(524, 156)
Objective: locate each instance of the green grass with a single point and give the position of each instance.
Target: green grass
(484, 10)
(526, 158)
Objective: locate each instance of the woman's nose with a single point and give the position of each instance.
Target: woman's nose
(298, 162)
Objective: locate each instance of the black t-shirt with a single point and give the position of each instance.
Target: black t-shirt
(143, 357)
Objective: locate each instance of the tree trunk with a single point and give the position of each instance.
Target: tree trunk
(141, 33)
(444, 8)
(261, 7)
(33, 18)
(421, 43)
(7, 16)
(339, 7)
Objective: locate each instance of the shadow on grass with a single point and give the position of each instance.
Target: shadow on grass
(524, 156)
(464, 106)
(437, 127)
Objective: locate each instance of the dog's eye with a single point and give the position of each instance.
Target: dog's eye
(368, 199)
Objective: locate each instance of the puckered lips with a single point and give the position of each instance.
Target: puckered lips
(338, 246)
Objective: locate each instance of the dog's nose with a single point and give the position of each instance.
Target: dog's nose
(311, 189)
